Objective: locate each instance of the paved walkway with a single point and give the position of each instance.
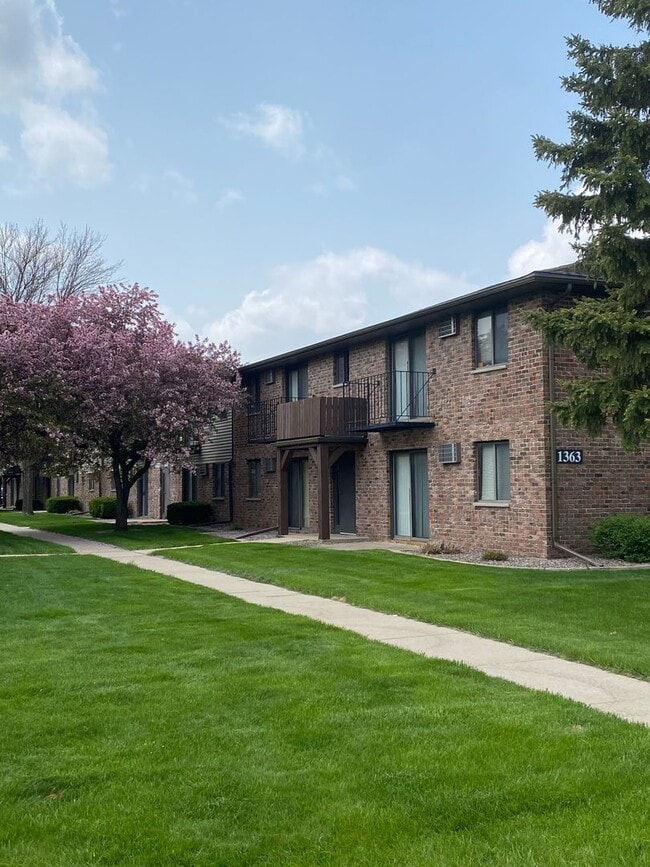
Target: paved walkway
(622, 696)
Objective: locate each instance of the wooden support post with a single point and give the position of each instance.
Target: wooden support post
(283, 489)
(322, 463)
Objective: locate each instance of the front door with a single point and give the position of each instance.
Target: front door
(298, 494)
(345, 495)
(143, 495)
(165, 490)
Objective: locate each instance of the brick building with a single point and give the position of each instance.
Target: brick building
(434, 425)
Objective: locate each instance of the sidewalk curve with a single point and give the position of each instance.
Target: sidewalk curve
(625, 697)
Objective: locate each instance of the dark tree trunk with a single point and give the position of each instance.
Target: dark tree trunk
(122, 513)
(121, 478)
(28, 486)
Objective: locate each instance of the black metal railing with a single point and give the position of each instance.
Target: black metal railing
(401, 397)
(262, 421)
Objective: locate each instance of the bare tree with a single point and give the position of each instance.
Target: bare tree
(33, 265)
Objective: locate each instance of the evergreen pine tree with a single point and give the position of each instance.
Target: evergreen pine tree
(604, 201)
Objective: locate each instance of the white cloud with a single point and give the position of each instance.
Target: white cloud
(117, 9)
(229, 197)
(341, 183)
(553, 250)
(37, 59)
(41, 69)
(329, 295)
(181, 186)
(60, 147)
(278, 126)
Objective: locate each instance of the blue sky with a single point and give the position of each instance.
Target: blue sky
(283, 171)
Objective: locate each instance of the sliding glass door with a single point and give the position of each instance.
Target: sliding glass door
(409, 364)
(410, 494)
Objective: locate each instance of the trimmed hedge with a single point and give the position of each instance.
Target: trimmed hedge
(103, 507)
(190, 512)
(625, 536)
(37, 506)
(61, 505)
(106, 507)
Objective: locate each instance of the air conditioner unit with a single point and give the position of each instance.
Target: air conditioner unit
(205, 470)
(447, 327)
(449, 453)
(270, 465)
(269, 377)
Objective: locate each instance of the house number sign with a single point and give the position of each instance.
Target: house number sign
(568, 456)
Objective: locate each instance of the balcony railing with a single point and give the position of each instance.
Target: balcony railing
(399, 399)
(318, 418)
(262, 421)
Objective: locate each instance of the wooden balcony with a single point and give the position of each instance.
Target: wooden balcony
(319, 419)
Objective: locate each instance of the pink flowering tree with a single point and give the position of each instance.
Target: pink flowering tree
(33, 391)
(139, 393)
(102, 377)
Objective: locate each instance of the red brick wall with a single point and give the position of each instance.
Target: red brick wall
(609, 480)
(502, 403)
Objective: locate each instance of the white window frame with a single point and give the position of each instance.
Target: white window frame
(493, 472)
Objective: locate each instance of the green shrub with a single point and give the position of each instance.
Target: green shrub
(103, 507)
(37, 506)
(494, 555)
(61, 505)
(106, 507)
(625, 536)
(190, 512)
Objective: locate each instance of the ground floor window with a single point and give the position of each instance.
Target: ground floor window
(254, 479)
(410, 486)
(218, 481)
(189, 485)
(493, 463)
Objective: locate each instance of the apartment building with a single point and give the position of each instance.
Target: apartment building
(432, 426)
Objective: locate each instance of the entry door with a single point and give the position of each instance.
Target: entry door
(409, 366)
(298, 494)
(345, 495)
(165, 490)
(410, 494)
(143, 494)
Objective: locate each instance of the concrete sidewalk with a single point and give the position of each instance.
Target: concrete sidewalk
(622, 696)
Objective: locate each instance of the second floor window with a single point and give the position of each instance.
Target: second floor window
(296, 382)
(253, 389)
(341, 371)
(491, 338)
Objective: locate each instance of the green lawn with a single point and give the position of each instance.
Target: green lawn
(597, 616)
(137, 536)
(10, 544)
(151, 722)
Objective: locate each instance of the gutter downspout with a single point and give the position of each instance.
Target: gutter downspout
(231, 466)
(552, 441)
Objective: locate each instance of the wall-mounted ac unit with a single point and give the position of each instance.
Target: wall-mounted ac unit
(449, 453)
(205, 470)
(447, 327)
(269, 377)
(269, 465)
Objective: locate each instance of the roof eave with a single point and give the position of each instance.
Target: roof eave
(551, 279)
